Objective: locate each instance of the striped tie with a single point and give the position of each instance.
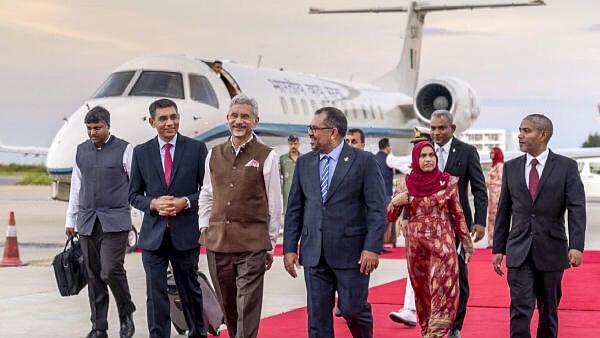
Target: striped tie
(325, 176)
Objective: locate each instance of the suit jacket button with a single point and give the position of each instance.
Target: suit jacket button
(231, 185)
(533, 215)
(234, 167)
(227, 222)
(228, 202)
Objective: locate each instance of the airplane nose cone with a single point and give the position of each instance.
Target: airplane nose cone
(61, 154)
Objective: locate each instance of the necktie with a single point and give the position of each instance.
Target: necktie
(534, 178)
(325, 177)
(441, 159)
(168, 163)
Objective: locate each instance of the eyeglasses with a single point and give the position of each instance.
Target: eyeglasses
(313, 129)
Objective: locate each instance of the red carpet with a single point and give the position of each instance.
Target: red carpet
(488, 313)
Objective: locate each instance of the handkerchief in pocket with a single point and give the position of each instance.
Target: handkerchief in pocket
(252, 163)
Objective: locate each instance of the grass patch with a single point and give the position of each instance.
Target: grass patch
(21, 169)
(35, 179)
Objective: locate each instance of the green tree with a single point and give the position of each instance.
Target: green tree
(593, 140)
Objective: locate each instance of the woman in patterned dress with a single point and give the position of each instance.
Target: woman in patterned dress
(494, 184)
(431, 199)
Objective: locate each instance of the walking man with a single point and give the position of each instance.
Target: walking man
(99, 210)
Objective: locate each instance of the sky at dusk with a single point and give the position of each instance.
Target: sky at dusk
(519, 60)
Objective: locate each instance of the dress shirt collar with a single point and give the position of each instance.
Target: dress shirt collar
(542, 158)
(173, 142)
(445, 146)
(243, 144)
(335, 153)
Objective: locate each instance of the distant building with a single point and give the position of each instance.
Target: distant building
(485, 139)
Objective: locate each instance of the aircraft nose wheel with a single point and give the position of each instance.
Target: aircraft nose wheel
(132, 239)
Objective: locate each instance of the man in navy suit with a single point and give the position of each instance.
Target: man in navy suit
(537, 189)
(336, 209)
(166, 177)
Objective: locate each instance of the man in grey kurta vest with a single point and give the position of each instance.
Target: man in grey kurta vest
(99, 209)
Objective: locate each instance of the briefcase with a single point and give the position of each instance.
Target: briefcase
(69, 268)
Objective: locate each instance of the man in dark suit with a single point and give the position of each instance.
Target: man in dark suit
(462, 160)
(537, 189)
(166, 178)
(336, 208)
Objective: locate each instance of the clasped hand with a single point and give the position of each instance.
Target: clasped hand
(168, 205)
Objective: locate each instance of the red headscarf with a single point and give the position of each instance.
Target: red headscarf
(498, 156)
(420, 183)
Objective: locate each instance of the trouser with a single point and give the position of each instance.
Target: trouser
(527, 284)
(104, 256)
(322, 281)
(238, 281)
(409, 296)
(185, 272)
(463, 297)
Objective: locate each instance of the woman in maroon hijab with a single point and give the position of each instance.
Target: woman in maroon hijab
(494, 184)
(431, 200)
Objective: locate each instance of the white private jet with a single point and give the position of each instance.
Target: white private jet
(389, 107)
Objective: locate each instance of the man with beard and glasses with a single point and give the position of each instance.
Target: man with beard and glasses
(337, 211)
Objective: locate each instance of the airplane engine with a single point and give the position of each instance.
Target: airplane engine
(450, 94)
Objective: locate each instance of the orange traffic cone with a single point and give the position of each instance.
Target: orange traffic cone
(11, 247)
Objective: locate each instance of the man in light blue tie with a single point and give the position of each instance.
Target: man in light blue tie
(336, 209)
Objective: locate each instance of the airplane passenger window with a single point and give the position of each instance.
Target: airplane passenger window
(373, 112)
(380, 112)
(162, 84)
(114, 85)
(305, 107)
(364, 112)
(284, 105)
(202, 91)
(294, 105)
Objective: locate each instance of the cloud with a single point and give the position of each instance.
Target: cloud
(38, 26)
(593, 28)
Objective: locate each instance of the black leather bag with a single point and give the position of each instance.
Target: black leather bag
(69, 268)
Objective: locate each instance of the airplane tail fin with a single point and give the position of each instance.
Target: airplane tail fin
(404, 77)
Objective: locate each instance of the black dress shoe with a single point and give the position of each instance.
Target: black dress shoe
(97, 334)
(127, 328)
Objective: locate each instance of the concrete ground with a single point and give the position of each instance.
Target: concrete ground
(30, 305)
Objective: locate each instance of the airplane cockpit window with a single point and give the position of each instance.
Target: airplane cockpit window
(162, 84)
(114, 85)
(202, 91)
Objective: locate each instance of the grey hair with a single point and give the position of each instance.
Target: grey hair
(542, 122)
(443, 113)
(243, 99)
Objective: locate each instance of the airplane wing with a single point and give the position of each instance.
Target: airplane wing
(25, 150)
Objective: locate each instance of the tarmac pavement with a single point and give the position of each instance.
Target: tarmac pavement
(30, 305)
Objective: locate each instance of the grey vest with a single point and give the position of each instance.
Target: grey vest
(104, 187)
